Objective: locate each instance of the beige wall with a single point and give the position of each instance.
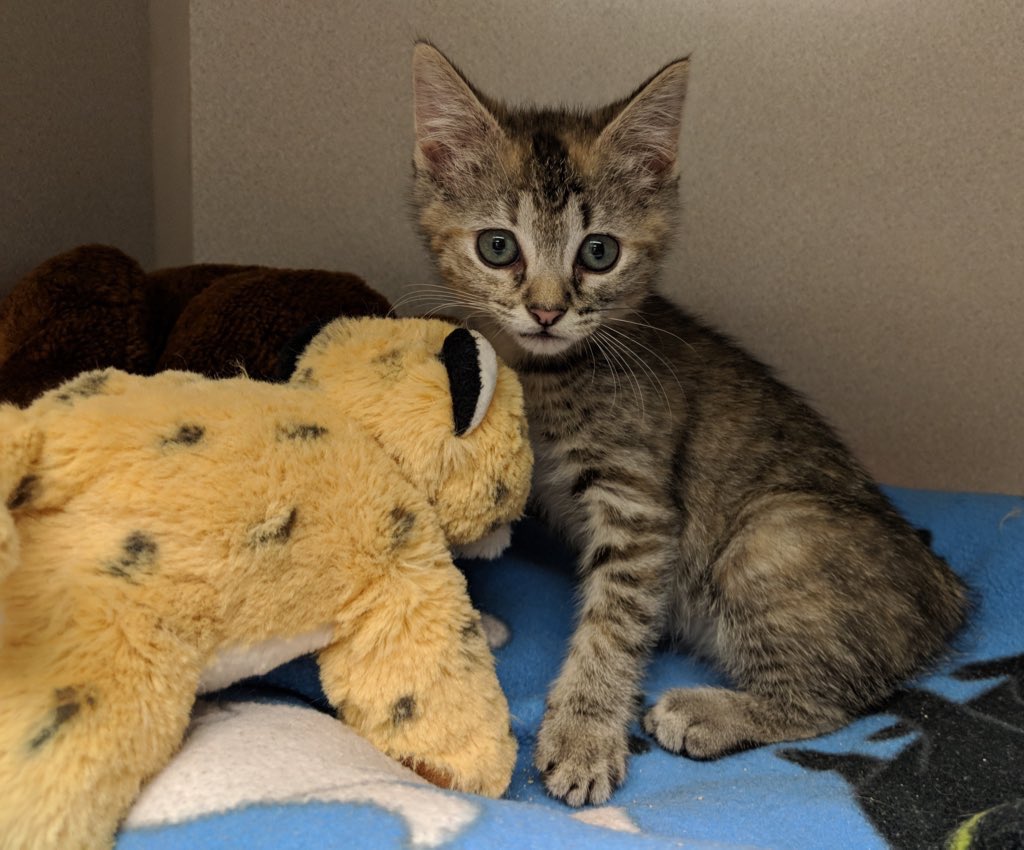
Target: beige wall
(853, 178)
(75, 147)
(171, 77)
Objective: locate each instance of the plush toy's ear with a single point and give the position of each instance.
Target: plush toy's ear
(472, 374)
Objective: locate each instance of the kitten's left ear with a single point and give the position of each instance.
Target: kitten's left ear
(643, 139)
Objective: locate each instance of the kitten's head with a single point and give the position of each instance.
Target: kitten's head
(547, 223)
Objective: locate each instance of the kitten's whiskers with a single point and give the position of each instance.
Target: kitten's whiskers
(611, 367)
(627, 338)
(622, 342)
(472, 306)
(646, 324)
(616, 348)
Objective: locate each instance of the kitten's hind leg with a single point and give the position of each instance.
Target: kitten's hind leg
(705, 723)
(820, 612)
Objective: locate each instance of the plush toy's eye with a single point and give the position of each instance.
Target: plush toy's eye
(472, 374)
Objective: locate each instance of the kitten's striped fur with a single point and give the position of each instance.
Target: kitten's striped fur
(707, 500)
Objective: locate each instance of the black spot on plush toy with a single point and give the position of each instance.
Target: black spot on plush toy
(171, 534)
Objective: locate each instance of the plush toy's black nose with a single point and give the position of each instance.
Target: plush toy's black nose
(472, 373)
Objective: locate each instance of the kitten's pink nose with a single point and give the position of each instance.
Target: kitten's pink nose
(546, 318)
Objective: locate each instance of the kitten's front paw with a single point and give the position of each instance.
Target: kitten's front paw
(581, 760)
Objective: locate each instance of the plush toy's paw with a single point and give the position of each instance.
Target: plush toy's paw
(435, 775)
(487, 548)
(458, 731)
(483, 768)
(581, 760)
(448, 720)
(480, 765)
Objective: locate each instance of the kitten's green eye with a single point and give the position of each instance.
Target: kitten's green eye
(598, 252)
(497, 247)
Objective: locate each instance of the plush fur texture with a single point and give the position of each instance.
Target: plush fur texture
(154, 525)
(708, 502)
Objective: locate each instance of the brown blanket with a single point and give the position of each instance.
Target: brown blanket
(94, 307)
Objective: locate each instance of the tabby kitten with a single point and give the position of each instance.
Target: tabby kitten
(707, 501)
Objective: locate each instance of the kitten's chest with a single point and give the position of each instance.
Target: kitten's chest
(558, 462)
(579, 436)
(575, 432)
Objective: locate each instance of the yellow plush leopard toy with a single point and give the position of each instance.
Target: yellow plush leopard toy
(171, 534)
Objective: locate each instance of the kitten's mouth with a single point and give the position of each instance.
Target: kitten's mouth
(543, 342)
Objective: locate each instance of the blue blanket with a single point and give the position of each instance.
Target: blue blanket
(265, 767)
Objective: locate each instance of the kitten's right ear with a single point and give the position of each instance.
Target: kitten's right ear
(454, 130)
